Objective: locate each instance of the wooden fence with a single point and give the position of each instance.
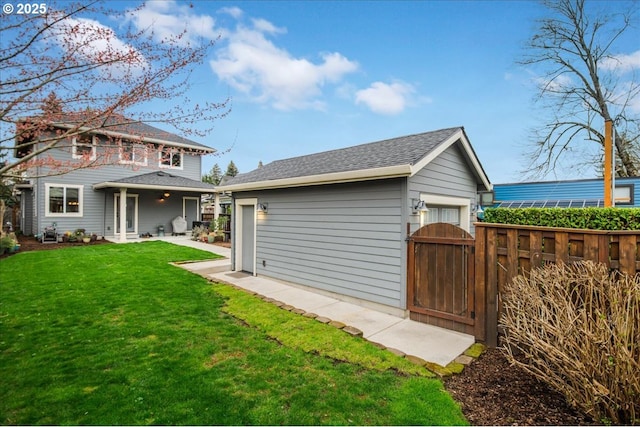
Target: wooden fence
(504, 251)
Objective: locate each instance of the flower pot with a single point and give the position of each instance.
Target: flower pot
(86, 239)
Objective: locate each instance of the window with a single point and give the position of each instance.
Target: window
(447, 214)
(170, 158)
(84, 146)
(623, 194)
(63, 200)
(132, 153)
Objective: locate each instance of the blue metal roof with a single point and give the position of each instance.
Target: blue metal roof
(570, 193)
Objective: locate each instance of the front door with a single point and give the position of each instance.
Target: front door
(191, 210)
(132, 214)
(248, 237)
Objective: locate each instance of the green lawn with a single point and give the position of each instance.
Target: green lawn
(113, 334)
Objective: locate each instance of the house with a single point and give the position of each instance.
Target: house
(567, 193)
(337, 221)
(139, 178)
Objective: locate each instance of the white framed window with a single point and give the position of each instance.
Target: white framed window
(63, 200)
(448, 214)
(83, 146)
(623, 194)
(454, 210)
(132, 153)
(170, 158)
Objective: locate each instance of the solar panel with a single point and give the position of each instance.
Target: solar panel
(572, 203)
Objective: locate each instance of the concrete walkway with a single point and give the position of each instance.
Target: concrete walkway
(401, 335)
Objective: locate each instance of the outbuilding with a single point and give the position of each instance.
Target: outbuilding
(338, 221)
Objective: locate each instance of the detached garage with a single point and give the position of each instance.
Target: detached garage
(338, 221)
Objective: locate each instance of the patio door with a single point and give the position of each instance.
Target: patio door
(132, 214)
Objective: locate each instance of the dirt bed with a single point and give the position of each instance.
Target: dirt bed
(492, 392)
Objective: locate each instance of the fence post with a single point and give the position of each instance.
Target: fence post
(480, 283)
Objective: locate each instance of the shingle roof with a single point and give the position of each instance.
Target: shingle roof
(121, 125)
(406, 150)
(158, 179)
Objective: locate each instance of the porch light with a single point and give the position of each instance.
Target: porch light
(262, 207)
(419, 206)
(166, 194)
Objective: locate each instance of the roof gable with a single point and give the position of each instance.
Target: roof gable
(402, 156)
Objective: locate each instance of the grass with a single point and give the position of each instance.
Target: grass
(113, 334)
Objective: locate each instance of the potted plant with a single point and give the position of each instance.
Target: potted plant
(86, 238)
(6, 244)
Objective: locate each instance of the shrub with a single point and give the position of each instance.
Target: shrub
(588, 218)
(578, 327)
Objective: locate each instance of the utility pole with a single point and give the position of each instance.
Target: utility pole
(608, 163)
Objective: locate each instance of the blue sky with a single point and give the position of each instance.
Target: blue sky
(310, 76)
(407, 67)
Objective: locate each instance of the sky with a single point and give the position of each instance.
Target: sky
(311, 76)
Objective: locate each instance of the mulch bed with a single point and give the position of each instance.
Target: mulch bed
(490, 390)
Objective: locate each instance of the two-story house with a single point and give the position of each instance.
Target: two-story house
(122, 180)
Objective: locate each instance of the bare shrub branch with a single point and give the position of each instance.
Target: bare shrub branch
(578, 327)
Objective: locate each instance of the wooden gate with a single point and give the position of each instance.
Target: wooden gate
(440, 277)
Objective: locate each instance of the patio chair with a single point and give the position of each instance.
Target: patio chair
(179, 225)
(49, 235)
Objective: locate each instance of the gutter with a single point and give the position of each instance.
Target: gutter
(329, 178)
(112, 184)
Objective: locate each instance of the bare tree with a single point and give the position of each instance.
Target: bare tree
(60, 64)
(584, 82)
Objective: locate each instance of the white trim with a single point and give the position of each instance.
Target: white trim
(460, 202)
(80, 188)
(238, 230)
(74, 146)
(184, 209)
(136, 147)
(329, 178)
(133, 233)
(172, 151)
(458, 136)
(111, 184)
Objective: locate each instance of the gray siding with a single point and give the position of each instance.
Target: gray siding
(98, 205)
(343, 238)
(447, 175)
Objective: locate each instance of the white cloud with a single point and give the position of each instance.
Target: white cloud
(387, 99)
(169, 21)
(254, 65)
(99, 44)
(621, 63)
(234, 12)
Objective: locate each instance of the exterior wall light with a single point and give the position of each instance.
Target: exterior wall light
(262, 207)
(418, 206)
(166, 194)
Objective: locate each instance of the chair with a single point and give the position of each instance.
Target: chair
(179, 225)
(49, 235)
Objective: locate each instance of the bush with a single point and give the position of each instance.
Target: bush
(578, 327)
(586, 218)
